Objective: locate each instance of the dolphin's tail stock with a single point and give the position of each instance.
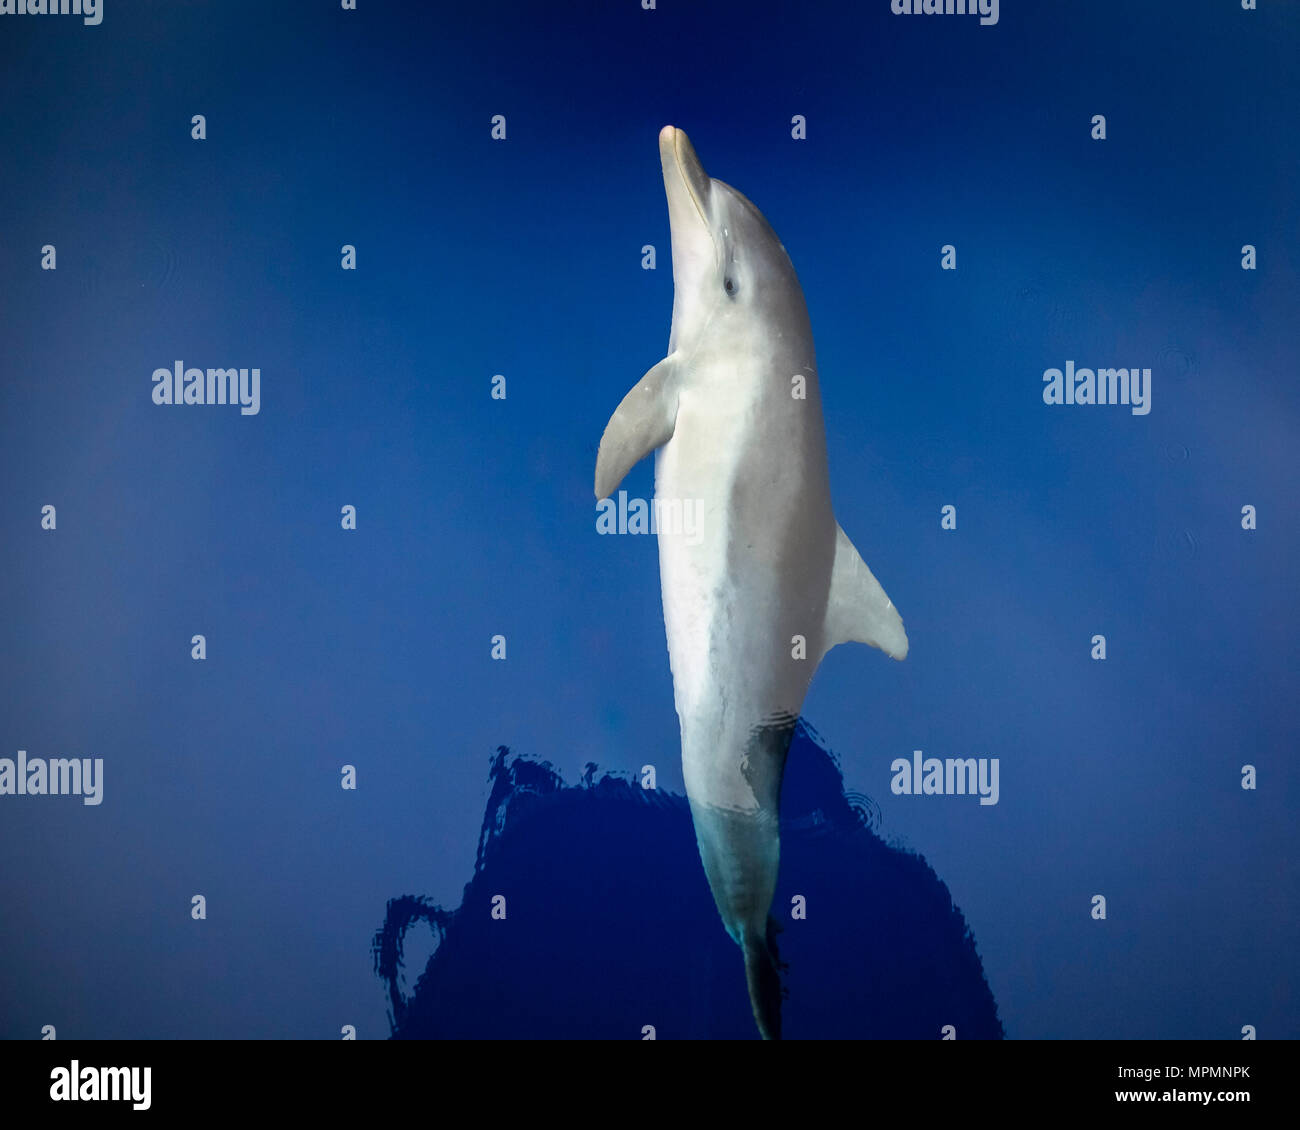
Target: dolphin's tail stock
(763, 974)
(740, 847)
(740, 852)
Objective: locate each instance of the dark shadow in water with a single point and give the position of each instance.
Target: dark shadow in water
(610, 925)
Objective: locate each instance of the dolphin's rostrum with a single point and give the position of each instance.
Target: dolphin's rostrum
(770, 582)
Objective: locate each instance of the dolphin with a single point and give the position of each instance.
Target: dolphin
(767, 582)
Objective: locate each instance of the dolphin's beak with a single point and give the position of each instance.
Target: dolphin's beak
(694, 248)
(685, 181)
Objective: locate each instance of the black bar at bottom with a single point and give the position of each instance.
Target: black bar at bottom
(393, 1080)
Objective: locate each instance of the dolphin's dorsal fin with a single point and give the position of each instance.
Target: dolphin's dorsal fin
(857, 608)
(641, 423)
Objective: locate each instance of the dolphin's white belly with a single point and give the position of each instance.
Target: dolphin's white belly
(737, 593)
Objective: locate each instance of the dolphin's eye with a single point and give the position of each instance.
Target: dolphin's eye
(729, 285)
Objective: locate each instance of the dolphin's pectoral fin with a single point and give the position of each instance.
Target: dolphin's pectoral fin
(641, 423)
(857, 608)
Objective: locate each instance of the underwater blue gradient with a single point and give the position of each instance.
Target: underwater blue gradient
(476, 516)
